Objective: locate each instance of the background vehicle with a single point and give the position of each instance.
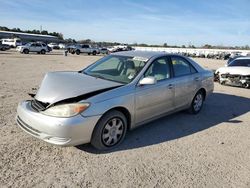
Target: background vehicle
(120, 48)
(62, 46)
(104, 51)
(4, 47)
(12, 42)
(236, 73)
(86, 48)
(33, 47)
(54, 46)
(117, 93)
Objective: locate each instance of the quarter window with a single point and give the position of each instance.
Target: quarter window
(182, 67)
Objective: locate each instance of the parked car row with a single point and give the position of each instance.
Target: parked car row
(91, 50)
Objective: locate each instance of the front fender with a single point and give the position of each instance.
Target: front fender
(99, 108)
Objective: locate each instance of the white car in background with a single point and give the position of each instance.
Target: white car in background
(85, 48)
(38, 47)
(54, 46)
(12, 42)
(62, 46)
(236, 73)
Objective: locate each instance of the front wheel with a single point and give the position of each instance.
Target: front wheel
(109, 131)
(26, 51)
(94, 53)
(197, 103)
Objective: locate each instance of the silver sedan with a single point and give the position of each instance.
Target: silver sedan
(119, 92)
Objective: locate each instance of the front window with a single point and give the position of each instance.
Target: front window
(116, 68)
(240, 62)
(160, 69)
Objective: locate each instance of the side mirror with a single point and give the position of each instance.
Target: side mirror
(150, 80)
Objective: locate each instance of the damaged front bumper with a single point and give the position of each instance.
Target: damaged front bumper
(235, 80)
(59, 131)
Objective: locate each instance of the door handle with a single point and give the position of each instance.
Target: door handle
(197, 78)
(170, 86)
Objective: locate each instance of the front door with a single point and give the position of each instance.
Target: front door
(154, 100)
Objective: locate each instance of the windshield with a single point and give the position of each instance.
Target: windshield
(240, 62)
(116, 68)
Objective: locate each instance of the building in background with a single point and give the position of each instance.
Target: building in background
(28, 37)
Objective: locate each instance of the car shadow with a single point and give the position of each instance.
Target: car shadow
(218, 108)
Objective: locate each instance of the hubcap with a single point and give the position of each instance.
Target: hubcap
(112, 132)
(198, 102)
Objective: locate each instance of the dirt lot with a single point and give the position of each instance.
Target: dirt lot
(211, 149)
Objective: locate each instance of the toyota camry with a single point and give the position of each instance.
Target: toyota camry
(119, 92)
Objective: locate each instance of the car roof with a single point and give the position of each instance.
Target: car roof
(137, 53)
(246, 57)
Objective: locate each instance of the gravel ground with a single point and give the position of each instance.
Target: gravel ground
(211, 149)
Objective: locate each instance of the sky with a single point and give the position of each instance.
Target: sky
(175, 22)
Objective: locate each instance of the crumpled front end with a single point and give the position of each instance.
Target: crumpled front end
(55, 130)
(235, 80)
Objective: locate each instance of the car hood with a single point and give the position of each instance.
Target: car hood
(234, 70)
(58, 86)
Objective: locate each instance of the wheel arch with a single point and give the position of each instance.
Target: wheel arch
(203, 92)
(123, 110)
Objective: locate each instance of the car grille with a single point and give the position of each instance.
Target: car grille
(38, 106)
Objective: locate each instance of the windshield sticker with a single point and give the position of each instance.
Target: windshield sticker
(140, 59)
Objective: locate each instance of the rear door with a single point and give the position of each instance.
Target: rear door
(154, 100)
(32, 47)
(186, 80)
(38, 47)
(85, 48)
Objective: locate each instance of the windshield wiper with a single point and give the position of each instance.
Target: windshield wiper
(99, 76)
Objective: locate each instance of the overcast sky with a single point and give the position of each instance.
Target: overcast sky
(176, 22)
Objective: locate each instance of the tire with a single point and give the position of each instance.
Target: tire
(43, 51)
(94, 52)
(197, 103)
(78, 52)
(110, 130)
(72, 52)
(26, 51)
(88, 53)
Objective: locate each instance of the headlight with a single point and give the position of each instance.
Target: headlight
(66, 110)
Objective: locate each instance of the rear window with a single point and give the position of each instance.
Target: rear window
(182, 67)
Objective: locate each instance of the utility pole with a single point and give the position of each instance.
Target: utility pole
(41, 28)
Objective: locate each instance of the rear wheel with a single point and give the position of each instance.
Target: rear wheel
(109, 131)
(43, 51)
(197, 103)
(26, 51)
(94, 53)
(77, 52)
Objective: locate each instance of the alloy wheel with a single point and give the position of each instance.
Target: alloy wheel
(198, 101)
(112, 132)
